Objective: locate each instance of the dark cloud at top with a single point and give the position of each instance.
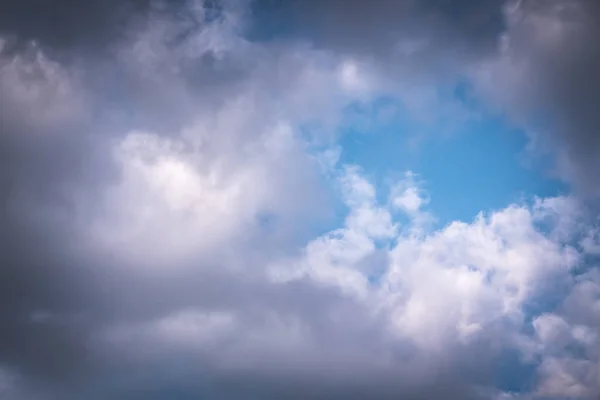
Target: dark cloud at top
(66, 24)
(431, 35)
(558, 42)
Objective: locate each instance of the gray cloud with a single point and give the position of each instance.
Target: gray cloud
(384, 29)
(67, 26)
(545, 78)
(86, 313)
(60, 122)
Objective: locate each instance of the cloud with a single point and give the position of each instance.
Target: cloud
(381, 28)
(79, 183)
(533, 60)
(169, 186)
(568, 343)
(466, 286)
(544, 75)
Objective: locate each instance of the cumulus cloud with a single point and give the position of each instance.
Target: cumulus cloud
(169, 181)
(567, 341)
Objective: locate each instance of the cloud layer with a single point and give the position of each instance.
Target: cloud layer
(177, 220)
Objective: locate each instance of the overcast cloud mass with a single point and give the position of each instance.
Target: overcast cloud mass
(180, 219)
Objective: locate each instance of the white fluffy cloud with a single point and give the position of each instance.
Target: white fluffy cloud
(567, 343)
(465, 286)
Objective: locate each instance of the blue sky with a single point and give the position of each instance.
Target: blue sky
(449, 151)
(481, 164)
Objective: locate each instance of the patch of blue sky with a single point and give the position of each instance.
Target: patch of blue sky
(469, 165)
(471, 158)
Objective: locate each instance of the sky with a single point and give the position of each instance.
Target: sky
(337, 199)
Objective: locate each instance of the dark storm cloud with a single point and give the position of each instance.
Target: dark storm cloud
(88, 27)
(66, 24)
(423, 36)
(40, 163)
(561, 82)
